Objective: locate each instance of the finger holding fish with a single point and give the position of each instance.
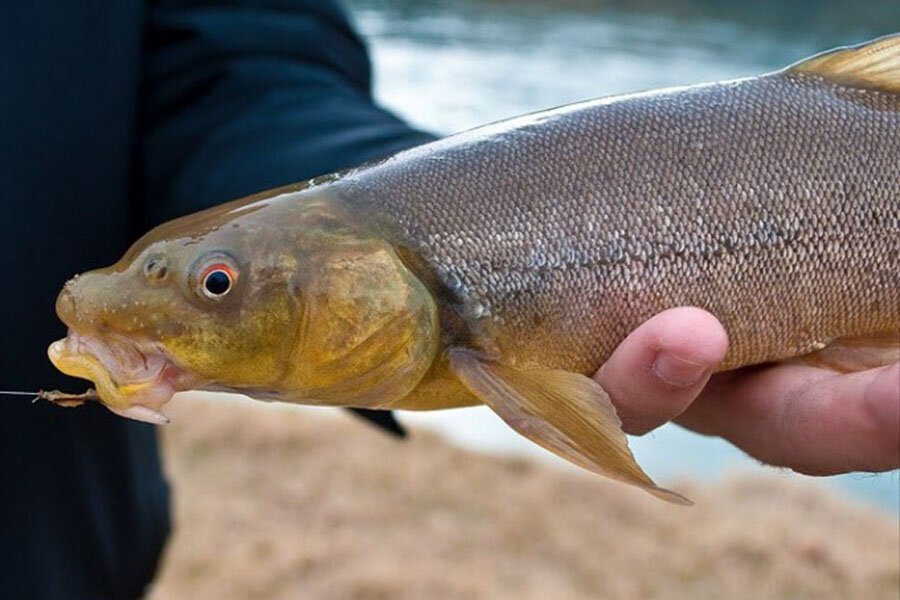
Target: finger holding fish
(812, 420)
(662, 366)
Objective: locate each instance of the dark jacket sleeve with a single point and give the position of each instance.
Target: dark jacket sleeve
(242, 96)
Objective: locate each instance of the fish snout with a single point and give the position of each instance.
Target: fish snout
(65, 306)
(81, 299)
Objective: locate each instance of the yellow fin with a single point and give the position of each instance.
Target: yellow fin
(566, 413)
(848, 355)
(874, 64)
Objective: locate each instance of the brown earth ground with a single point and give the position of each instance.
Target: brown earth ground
(278, 503)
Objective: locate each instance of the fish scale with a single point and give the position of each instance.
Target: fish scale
(771, 202)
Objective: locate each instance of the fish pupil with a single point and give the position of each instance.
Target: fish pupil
(217, 283)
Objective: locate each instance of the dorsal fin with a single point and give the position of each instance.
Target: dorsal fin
(874, 64)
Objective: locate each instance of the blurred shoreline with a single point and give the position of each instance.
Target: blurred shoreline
(272, 501)
(669, 453)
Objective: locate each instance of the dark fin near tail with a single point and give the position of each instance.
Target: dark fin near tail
(383, 419)
(848, 355)
(566, 413)
(874, 64)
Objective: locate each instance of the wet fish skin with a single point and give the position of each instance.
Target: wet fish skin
(502, 266)
(772, 202)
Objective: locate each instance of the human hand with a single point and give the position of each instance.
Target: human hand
(812, 420)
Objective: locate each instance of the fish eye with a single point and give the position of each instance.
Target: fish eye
(216, 280)
(156, 268)
(214, 275)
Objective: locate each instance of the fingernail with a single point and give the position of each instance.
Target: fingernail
(678, 371)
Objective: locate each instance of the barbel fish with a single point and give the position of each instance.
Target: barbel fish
(503, 265)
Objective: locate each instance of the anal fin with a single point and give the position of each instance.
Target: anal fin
(566, 413)
(848, 355)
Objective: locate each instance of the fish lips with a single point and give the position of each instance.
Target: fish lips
(133, 378)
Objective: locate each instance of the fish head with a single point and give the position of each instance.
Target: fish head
(297, 305)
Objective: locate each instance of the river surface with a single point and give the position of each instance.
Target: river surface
(450, 66)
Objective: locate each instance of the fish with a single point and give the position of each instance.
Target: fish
(503, 265)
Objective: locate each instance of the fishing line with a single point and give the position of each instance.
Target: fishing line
(55, 396)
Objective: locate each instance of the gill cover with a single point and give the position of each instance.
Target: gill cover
(367, 330)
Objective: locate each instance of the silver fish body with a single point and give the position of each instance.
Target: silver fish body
(773, 202)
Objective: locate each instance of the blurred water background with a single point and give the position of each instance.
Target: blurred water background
(448, 66)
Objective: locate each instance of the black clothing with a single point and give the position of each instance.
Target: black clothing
(115, 116)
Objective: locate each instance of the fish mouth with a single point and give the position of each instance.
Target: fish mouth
(133, 378)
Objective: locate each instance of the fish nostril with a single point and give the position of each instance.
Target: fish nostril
(65, 306)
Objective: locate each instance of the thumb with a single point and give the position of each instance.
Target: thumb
(658, 370)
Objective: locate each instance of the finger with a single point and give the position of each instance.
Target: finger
(661, 367)
(811, 420)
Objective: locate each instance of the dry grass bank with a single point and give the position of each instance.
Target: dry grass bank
(278, 504)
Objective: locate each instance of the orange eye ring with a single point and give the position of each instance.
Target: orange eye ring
(216, 280)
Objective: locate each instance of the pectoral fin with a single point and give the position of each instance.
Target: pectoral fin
(566, 413)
